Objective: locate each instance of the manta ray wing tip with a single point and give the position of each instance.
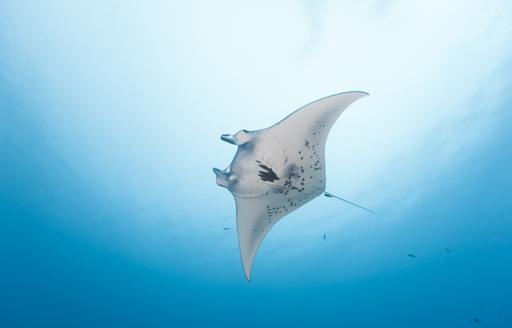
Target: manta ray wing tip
(362, 93)
(247, 272)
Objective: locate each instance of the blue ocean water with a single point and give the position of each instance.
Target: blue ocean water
(110, 117)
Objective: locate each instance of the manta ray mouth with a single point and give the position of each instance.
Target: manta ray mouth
(268, 175)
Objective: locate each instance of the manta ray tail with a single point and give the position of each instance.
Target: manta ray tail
(327, 194)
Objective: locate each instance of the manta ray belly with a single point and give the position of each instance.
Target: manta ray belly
(259, 166)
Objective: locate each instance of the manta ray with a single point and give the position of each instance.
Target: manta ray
(279, 169)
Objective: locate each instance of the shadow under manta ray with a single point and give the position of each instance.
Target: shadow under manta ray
(278, 169)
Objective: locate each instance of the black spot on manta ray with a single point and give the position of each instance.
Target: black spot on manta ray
(268, 174)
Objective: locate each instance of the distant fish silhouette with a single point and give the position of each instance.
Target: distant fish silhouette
(411, 255)
(324, 236)
(227, 228)
(476, 320)
(447, 250)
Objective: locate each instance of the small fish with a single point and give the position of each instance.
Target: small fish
(227, 228)
(476, 320)
(411, 255)
(325, 236)
(447, 250)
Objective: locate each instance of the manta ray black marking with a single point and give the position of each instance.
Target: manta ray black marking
(268, 174)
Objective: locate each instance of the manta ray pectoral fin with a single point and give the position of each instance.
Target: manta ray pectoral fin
(249, 237)
(315, 119)
(255, 216)
(253, 222)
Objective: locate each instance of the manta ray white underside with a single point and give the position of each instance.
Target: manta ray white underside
(278, 169)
